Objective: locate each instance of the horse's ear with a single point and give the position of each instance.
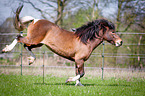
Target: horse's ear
(111, 25)
(73, 29)
(106, 24)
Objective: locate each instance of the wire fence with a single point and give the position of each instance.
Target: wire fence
(117, 55)
(103, 56)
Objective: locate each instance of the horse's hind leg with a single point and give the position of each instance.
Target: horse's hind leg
(8, 48)
(11, 46)
(21, 39)
(28, 48)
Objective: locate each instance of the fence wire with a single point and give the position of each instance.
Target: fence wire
(67, 64)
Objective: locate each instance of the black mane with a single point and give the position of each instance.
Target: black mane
(89, 31)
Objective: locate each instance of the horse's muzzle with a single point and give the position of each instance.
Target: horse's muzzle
(118, 43)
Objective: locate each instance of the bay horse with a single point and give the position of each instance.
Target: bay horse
(76, 46)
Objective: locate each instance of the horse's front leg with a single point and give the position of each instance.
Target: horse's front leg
(32, 57)
(28, 49)
(79, 73)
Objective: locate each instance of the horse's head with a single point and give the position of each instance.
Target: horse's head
(109, 33)
(99, 29)
(112, 37)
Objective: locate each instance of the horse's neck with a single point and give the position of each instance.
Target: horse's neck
(95, 43)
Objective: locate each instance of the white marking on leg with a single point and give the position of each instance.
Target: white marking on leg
(78, 83)
(11, 46)
(31, 60)
(76, 78)
(73, 78)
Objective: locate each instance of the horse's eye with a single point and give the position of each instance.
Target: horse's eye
(113, 32)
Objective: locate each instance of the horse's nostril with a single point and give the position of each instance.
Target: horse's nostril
(121, 42)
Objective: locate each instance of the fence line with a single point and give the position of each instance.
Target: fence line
(96, 55)
(50, 52)
(103, 55)
(67, 67)
(130, 33)
(5, 34)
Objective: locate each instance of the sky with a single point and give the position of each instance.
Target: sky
(7, 8)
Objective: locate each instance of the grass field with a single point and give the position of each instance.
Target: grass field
(30, 85)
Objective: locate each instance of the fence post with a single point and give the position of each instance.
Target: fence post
(103, 59)
(21, 52)
(43, 65)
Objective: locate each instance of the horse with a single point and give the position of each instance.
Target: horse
(76, 46)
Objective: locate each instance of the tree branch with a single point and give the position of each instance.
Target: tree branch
(50, 5)
(42, 12)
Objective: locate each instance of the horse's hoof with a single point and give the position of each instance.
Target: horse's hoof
(31, 60)
(6, 49)
(3, 51)
(69, 79)
(79, 84)
(66, 81)
(30, 63)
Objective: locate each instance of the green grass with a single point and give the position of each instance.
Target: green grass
(29, 85)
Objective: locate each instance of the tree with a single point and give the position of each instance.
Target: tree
(82, 15)
(56, 9)
(55, 5)
(130, 13)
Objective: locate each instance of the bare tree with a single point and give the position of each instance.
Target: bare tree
(58, 9)
(130, 13)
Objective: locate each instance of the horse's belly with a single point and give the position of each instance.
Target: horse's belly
(68, 53)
